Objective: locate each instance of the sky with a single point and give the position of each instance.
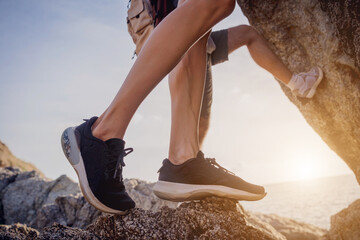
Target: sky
(63, 61)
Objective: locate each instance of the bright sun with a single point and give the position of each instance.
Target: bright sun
(305, 171)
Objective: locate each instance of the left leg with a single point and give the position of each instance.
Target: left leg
(302, 84)
(259, 50)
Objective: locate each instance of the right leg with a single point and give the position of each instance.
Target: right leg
(302, 84)
(259, 50)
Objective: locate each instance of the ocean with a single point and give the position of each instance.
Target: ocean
(310, 201)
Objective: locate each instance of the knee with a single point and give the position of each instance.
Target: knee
(225, 6)
(250, 34)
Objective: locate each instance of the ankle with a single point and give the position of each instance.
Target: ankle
(102, 132)
(181, 156)
(293, 84)
(99, 133)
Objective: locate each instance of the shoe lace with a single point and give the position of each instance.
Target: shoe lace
(116, 163)
(213, 163)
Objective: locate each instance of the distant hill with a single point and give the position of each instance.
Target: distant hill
(7, 159)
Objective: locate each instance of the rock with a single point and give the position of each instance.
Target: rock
(60, 232)
(305, 33)
(59, 211)
(142, 194)
(22, 198)
(212, 218)
(7, 159)
(7, 176)
(291, 229)
(345, 17)
(28, 198)
(18, 232)
(346, 223)
(71, 210)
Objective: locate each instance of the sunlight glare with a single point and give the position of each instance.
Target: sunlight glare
(305, 171)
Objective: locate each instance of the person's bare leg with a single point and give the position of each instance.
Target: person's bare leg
(205, 112)
(259, 50)
(159, 55)
(204, 125)
(245, 35)
(186, 82)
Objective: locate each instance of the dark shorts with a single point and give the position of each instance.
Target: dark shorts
(219, 55)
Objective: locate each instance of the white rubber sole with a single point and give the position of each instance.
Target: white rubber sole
(72, 152)
(179, 192)
(312, 91)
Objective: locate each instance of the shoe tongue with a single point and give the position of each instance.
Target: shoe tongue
(115, 149)
(200, 155)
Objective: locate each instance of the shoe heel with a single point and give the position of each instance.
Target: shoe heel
(70, 146)
(318, 81)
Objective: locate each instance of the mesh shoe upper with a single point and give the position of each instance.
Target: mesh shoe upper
(103, 163)
(204, 171)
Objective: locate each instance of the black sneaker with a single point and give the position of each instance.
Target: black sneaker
(98, 165)
(198, 178)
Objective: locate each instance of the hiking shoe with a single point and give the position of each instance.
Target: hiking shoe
(305, 84)
(202, 177)
(98, 165)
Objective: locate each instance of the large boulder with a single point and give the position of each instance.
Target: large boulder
(31, 199)
(346, 223)
(27, 193)
(305, 33)
(212, 218)
(59, 211)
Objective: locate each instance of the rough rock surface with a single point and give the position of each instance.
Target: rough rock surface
(345, 15)
(18, 232)
(212, 218)
(26, 193)
(307, 33)
(346, 223)
(7, 159)
(28, 198)
(291, 229)
(59, 211)
(73, 210)
(142, 194)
